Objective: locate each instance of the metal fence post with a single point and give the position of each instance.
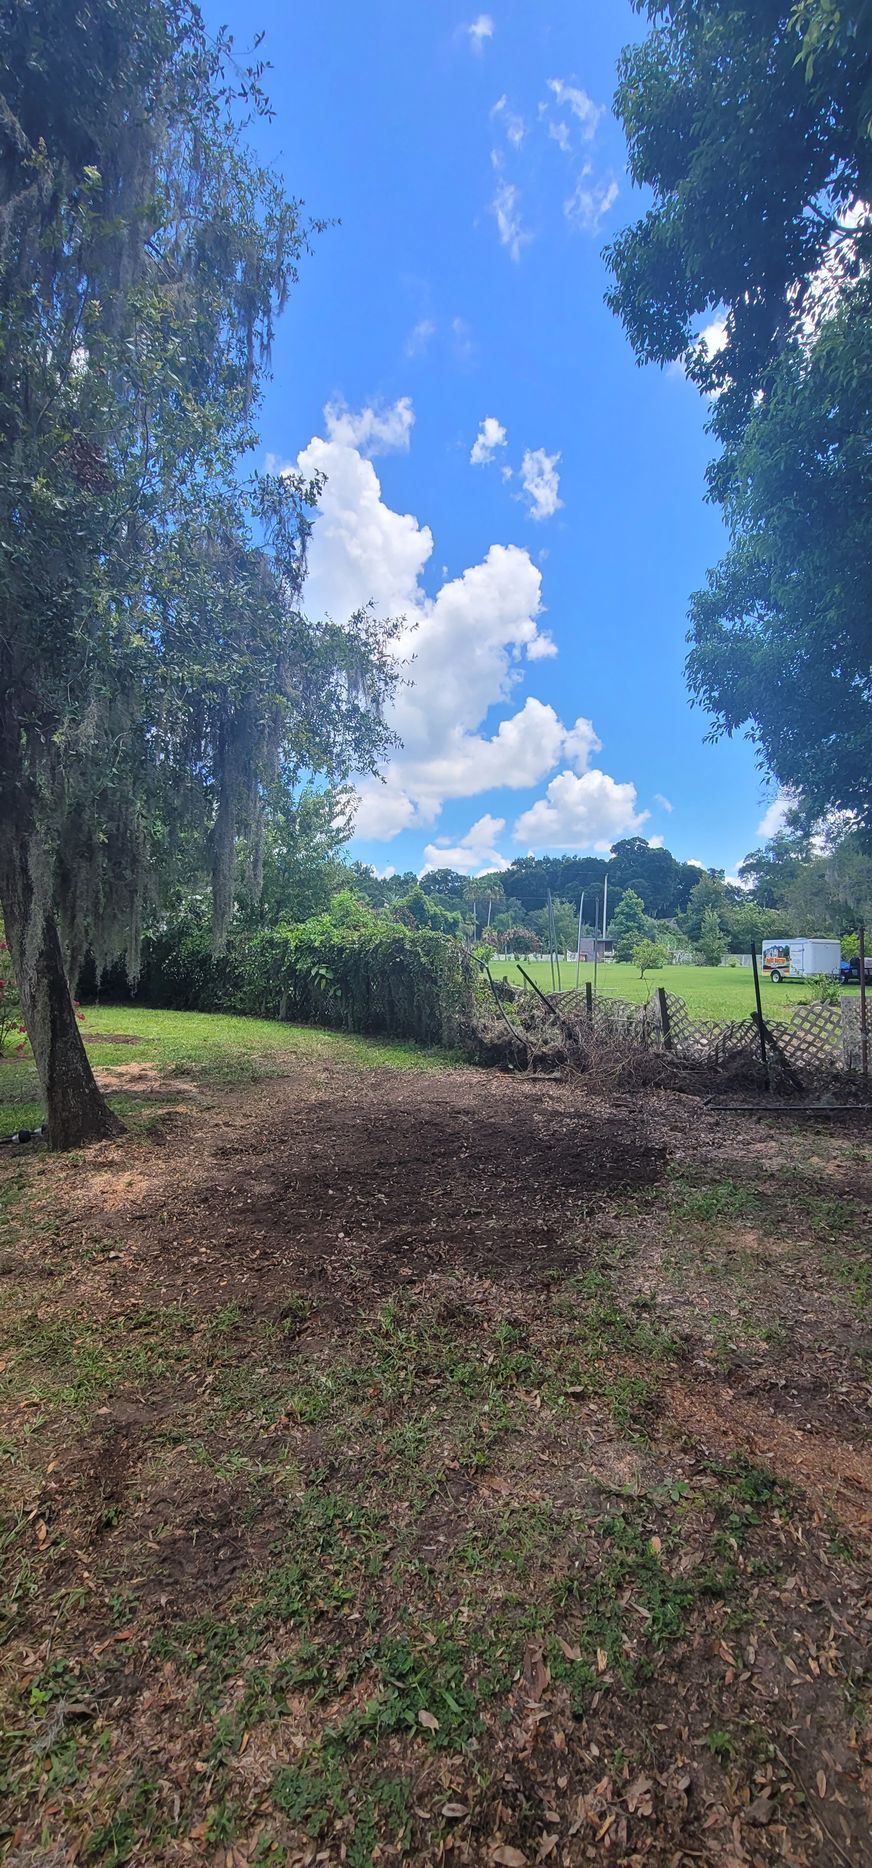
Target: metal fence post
(864, 1030)
(761, 1028)
(665, 1025)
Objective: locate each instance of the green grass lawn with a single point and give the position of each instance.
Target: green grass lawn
(206, 1046)
(708, 991)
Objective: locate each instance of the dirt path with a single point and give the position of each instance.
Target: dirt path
(441, 1467)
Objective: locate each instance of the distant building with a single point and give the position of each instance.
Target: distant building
(605, 949)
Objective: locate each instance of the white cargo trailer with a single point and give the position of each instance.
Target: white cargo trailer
(801, 959)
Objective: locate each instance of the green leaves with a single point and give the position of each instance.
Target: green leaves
(750, 123)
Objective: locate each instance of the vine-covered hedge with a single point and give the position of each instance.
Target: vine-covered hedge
(374, 977)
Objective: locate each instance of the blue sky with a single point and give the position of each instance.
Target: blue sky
(475, 170)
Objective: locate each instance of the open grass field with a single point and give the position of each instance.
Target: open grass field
(430, 1466)
(709, 991)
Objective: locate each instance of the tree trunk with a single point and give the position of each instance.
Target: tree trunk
(77, 1111)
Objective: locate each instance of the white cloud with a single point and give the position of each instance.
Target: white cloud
(711, 340)
(419, 337)
(693, 862)
(463, 647)
(581, 813)
(775, 816)
(474, 855)
(541, 483)
(491, 436)
(372, 431)
(514, 126)
(506, 207)
(541, 648)
(479, 31)
(571, 97)
(559, 134)
(384, 875)
(588, 206)
(663, 802)
(837, 269)
(463, 650)
(713, 337)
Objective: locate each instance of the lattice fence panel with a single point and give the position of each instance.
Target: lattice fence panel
(708, 1040)
(815, 1041)
(811, 1039)
(852, 1049)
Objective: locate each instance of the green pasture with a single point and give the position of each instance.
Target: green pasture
(708, 991)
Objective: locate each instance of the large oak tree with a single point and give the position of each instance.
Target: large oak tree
(158, 679)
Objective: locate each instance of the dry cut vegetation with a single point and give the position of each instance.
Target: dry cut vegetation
(437, 1467)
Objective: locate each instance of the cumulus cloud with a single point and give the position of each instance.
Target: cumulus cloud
(474, 855)
(371, 430)
(464, 650)
(713, 337)
(491, 436)
(480, 31)
(571, 97)
(541, 483)
(506, 209)
(586, 812)
(775, 816)
(463, 647)
(591, 200)
(541, 648)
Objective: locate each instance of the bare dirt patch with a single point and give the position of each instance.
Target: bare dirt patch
(439, 1467)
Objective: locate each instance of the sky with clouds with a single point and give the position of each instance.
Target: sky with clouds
(499, 472)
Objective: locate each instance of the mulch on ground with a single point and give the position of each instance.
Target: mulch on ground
(438, 1467)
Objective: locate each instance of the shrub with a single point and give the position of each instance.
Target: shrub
(353, 971)
(712, 941)
(522, 940)
(649, 953)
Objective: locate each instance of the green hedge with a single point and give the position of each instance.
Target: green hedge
(375, 977)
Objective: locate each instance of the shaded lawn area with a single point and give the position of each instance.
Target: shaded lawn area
(173, 1048)
(432, 1466)
(708, 991)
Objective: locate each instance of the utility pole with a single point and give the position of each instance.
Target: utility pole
(578, 942)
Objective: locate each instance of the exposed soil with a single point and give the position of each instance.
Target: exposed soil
(438, 1467)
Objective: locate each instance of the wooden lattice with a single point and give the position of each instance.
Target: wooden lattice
(814, 1042)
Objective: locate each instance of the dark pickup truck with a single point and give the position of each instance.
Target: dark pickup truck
(849, 972)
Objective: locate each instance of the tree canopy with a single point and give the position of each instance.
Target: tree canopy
(159, 683)
(750, 122)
